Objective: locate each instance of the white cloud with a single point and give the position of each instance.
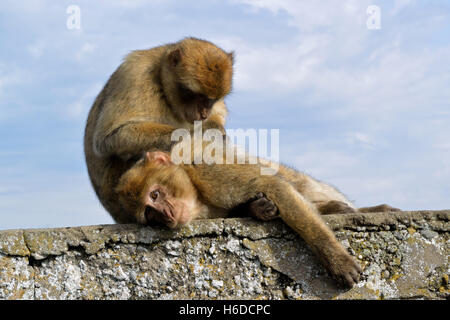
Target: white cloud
(334, 56)
(11, 75)
(360, 139)
(36, 49)
(442, 145)
(323, 163)
(310, 15)
(86, 49)
(399, 5)
(80, 107)
(133, 4)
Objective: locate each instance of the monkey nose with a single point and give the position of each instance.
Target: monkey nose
(204, 113)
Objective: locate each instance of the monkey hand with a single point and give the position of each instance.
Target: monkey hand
(213, 123)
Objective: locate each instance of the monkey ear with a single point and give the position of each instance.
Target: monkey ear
(231, 56)
(158, 157)
(175, 57)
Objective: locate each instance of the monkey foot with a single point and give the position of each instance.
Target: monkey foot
(344, 268)
(379, 208)
(334, 206)
(349, 273)
(262, 208)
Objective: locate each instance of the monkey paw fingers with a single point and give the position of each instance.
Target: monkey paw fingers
(345, 269)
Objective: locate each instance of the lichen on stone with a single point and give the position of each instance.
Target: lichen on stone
(403, 255)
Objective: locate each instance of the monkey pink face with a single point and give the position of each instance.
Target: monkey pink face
(157, 190)
(162, 207)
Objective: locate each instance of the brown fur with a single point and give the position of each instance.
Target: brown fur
(158, 90)
(133, 186)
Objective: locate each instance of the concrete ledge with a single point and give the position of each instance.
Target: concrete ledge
(405, 255)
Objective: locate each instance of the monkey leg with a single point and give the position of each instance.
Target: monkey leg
(327, 199)
(379, 208)
(334, 207)
(227, 186)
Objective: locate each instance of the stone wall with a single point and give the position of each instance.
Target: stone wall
(404, 255)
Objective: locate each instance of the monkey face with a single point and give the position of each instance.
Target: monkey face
(196, 74)
(196, 106)
(155, 190)
(163, 207)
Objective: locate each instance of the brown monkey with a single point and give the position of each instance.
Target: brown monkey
(158, 90)
(155, 189)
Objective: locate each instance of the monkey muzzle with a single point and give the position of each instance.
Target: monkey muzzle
(204, 108)
(197, 113)
(165, 217)
(203, 112)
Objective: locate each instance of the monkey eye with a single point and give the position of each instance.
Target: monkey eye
(185, 93)
(206, 101)
(154, 195)
(211, 102)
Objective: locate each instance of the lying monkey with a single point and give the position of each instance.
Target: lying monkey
(156, 190)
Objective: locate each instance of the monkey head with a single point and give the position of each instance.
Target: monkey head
(195, 75)
(156, 190)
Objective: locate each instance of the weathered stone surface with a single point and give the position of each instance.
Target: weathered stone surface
(404, 255)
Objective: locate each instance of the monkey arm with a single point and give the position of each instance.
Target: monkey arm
(214, 121)
(226, 186)
(302, 216)
(133, 139)
(217, 118)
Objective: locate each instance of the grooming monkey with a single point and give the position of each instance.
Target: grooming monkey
(152, 93)
(156, 91)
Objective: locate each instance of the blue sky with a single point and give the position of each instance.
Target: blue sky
(366, 110)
